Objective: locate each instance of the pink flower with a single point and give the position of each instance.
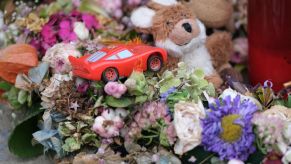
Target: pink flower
(171, 133)
(66, 32)
(48, 35)
(90, 21)
(115, 89)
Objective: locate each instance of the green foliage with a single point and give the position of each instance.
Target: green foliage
(168, 81)
(20, 140)
(265, 95)
(77, 134)
(59, 5)
(71, 144)
(122, 102)
(139, 88)
(17, 97)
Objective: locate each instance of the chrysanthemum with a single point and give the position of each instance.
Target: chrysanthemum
(227, 129)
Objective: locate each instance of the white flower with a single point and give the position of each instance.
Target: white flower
(235, 161)
(81, 31)
(287, 157)
(232, 93)
(187, 124)
(287, 132)
(280, 112)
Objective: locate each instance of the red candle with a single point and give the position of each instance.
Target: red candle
(269, 29)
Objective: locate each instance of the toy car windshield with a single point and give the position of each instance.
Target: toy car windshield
(96, 56)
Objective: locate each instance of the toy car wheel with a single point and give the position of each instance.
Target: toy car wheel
(155, 63)
(110, 74)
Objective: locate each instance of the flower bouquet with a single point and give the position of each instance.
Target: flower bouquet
(172, 116)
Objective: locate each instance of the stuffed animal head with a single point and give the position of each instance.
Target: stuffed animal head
(173, 26)
(213, 13)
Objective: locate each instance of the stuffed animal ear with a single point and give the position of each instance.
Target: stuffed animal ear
(143, 18)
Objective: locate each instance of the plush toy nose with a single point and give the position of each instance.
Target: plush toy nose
(187, 27)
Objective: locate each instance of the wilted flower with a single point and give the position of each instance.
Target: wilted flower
(81, 31)
(279, 112)
(269, 129)
(82, 85)
(187, 124)
(57, 57)
(115, 89)
(112, 6)
(108, 124)
(148, 116)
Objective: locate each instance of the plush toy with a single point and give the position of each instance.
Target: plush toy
(213, 13)
(176, 29)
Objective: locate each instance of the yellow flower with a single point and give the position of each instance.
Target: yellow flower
(32, 22)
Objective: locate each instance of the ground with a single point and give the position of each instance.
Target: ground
(8, 119)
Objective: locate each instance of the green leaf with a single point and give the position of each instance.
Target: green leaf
(141, 99)
(90, 138)
(118, 103)
(71, 144)
(199, 73)
(22, 96)
(288, 103)
(5, 86)
(12, 97)
(169, 83)
(19, 142)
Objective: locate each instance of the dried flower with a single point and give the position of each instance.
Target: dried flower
(115, 89)
(32, 22)
(187, 124)
(108, 124)
(57, 57)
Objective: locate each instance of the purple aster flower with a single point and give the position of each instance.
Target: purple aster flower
(228, 130)
(166, 94)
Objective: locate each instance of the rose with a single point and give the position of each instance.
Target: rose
(81, 31)
(187, 124)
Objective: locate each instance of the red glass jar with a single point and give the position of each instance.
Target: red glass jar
(269, 33)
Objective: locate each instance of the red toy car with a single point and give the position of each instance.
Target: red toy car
(110, 63)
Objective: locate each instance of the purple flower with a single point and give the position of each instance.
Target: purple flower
(83, 87)
(48, 35)
(227, 129)
(90, 21)
(66, 32)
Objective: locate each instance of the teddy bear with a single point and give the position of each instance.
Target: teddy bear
(178, 30)
(213, 13)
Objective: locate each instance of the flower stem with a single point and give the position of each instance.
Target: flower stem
(206, 159)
